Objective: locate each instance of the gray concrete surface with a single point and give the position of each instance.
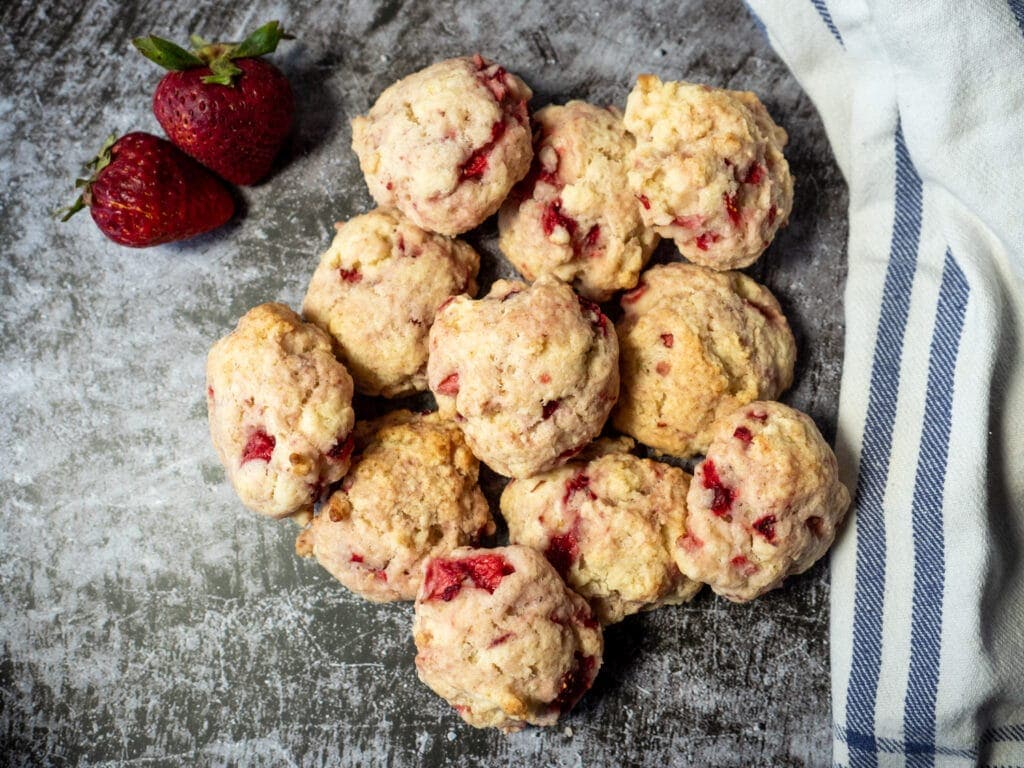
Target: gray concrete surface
(145, 617)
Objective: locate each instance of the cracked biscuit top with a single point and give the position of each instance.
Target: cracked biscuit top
(695, 344)
(708, 170)
(764, 503)
(446, 144)
(529, 373)
(574, 215)
(376, 290)
(280, 410)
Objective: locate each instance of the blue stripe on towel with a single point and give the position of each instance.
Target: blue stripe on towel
(1005, 733)
(1017, 6)
(873, 474)
(898, 747)
(929, 536)
(822, 8)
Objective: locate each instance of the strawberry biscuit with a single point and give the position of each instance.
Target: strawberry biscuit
(411, 494)
(708, 170)
(445, 144)
(763, 505)
(609, 526)
(574, 216)
(502, 639)
(696, 344)
(528, 372)
(280, 408)
(376, 291)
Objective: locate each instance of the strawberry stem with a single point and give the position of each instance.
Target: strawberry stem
(94, 166)
(223, 71)
(72, 209)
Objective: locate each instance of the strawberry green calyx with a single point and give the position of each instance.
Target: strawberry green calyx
(167, 54)
(264, 40)
(94, 166)
(219, 57)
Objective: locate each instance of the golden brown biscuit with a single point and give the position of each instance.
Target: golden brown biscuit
(695, 344)
(411, 494)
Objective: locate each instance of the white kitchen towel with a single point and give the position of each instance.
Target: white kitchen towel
(923, 101)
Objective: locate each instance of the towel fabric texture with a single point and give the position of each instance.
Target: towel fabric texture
(923, 102)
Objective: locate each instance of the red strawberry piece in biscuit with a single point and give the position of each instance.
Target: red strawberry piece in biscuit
(260, 447)
(446, 578)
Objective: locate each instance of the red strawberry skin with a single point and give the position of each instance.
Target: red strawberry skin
(152, 193)
(233, 130)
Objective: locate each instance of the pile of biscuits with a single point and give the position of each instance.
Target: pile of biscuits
(527, 378)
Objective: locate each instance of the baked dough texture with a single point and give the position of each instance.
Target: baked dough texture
(708, 170)
(446, 144)
(764, 503)
(376, 290)
(411, 494)
(609, 526)
(574, 216)
(280, 411)
(529, 373)
(696, 344)
(502, 639)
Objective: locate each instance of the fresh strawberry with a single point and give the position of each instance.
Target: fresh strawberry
(145, 191)
(222, 104)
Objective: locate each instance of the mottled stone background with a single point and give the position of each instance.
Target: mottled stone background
(146, 617)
